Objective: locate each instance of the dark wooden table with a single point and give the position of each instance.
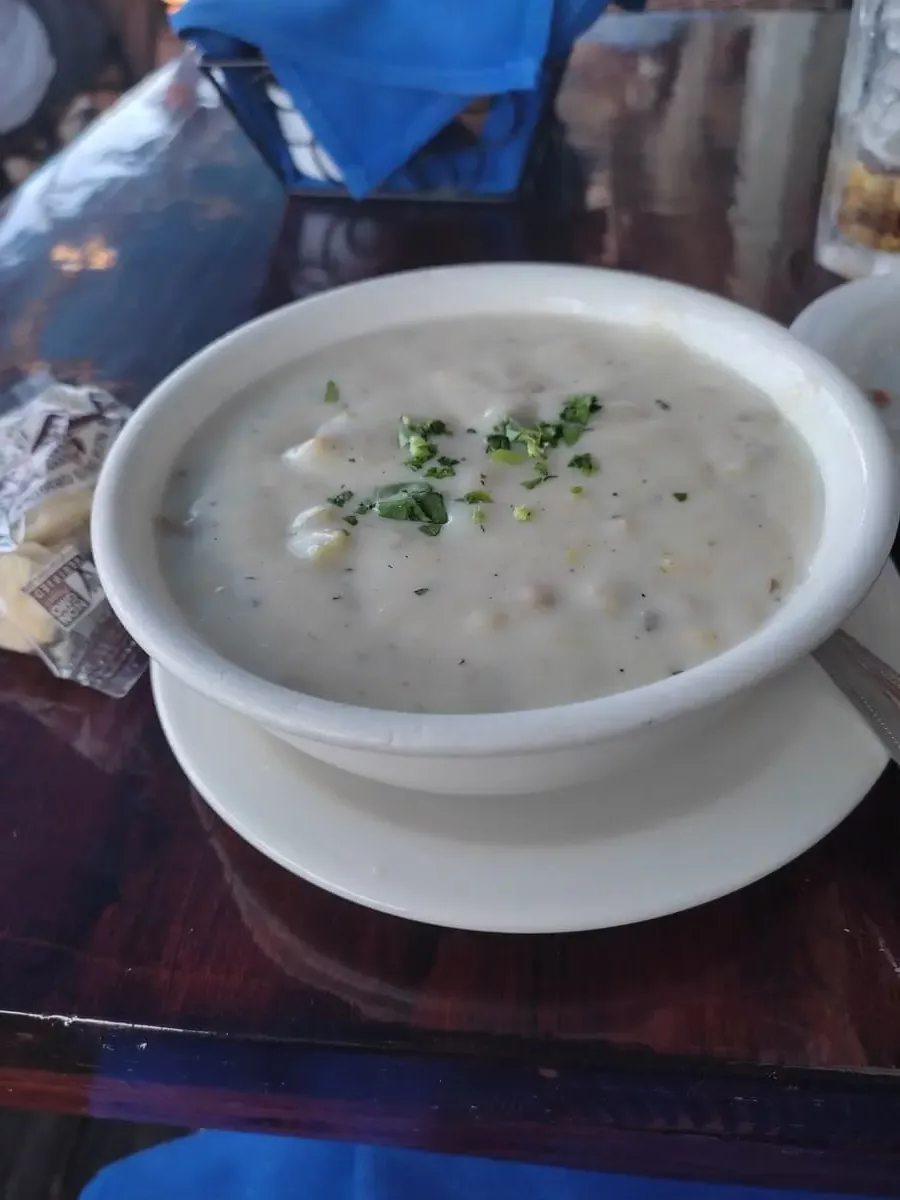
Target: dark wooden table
(154, 967)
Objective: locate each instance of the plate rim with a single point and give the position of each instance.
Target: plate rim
(423, 910)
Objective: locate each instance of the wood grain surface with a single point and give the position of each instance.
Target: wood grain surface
(154, 967)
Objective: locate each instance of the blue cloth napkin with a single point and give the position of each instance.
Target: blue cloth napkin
(377, 79)
(251, 1166)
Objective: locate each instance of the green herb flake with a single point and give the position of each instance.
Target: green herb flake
(537, 439)
(577, 490)
(479, 516)
(542, 474)
(351, 520)
(579, 409)
(413, 436)
(680, 496)
(412, 501)
(575, 415)
(503, 442)
(420, 452)
(413, 427)
(445, 468)
(332, 392)
(340, 499)
(521, 513)
(584, 463)
(478, 497)
(507, 457)
(420, 591)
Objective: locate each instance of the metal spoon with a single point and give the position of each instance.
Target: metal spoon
(868, 683)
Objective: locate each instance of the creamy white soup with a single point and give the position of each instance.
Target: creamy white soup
(485, 515)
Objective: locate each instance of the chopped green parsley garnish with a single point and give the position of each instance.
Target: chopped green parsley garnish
(680, 496)
(575, 415)
(508, 458)
(542, 474)
(420, 451)
(413, 436)
(510, 443)
(412, 501)
(584, 463)
(445, 468)
(537, 439)
(503, 442)
(577, 490)
(332, 392)
(578, 410)
(340, 499)
(433, 427)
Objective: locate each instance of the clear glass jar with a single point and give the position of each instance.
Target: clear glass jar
(859, 221)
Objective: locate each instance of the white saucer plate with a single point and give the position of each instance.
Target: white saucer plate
(683, 830)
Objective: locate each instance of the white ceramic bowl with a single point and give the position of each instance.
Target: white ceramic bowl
(512, 751)
(856, 327)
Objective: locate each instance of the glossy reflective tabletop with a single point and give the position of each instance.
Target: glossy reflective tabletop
(153, 966)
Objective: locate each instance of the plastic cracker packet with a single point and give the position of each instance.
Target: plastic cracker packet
(53, 440)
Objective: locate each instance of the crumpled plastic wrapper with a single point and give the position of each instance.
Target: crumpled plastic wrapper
(53, 440)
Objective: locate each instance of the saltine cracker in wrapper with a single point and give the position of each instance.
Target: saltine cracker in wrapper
(53, 440)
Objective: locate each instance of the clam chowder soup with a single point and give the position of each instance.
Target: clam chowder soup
(488, 514)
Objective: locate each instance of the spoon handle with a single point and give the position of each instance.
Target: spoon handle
(868, 683)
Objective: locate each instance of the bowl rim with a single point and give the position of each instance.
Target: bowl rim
(770, 649)
(842, 308)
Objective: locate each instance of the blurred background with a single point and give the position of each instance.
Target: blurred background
(109, 45)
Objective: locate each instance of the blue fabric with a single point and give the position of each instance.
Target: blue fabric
(377, 79)
(249, 1166)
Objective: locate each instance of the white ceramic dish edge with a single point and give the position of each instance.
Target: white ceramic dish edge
(513, 751)
(680, 830)
(854, 326)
